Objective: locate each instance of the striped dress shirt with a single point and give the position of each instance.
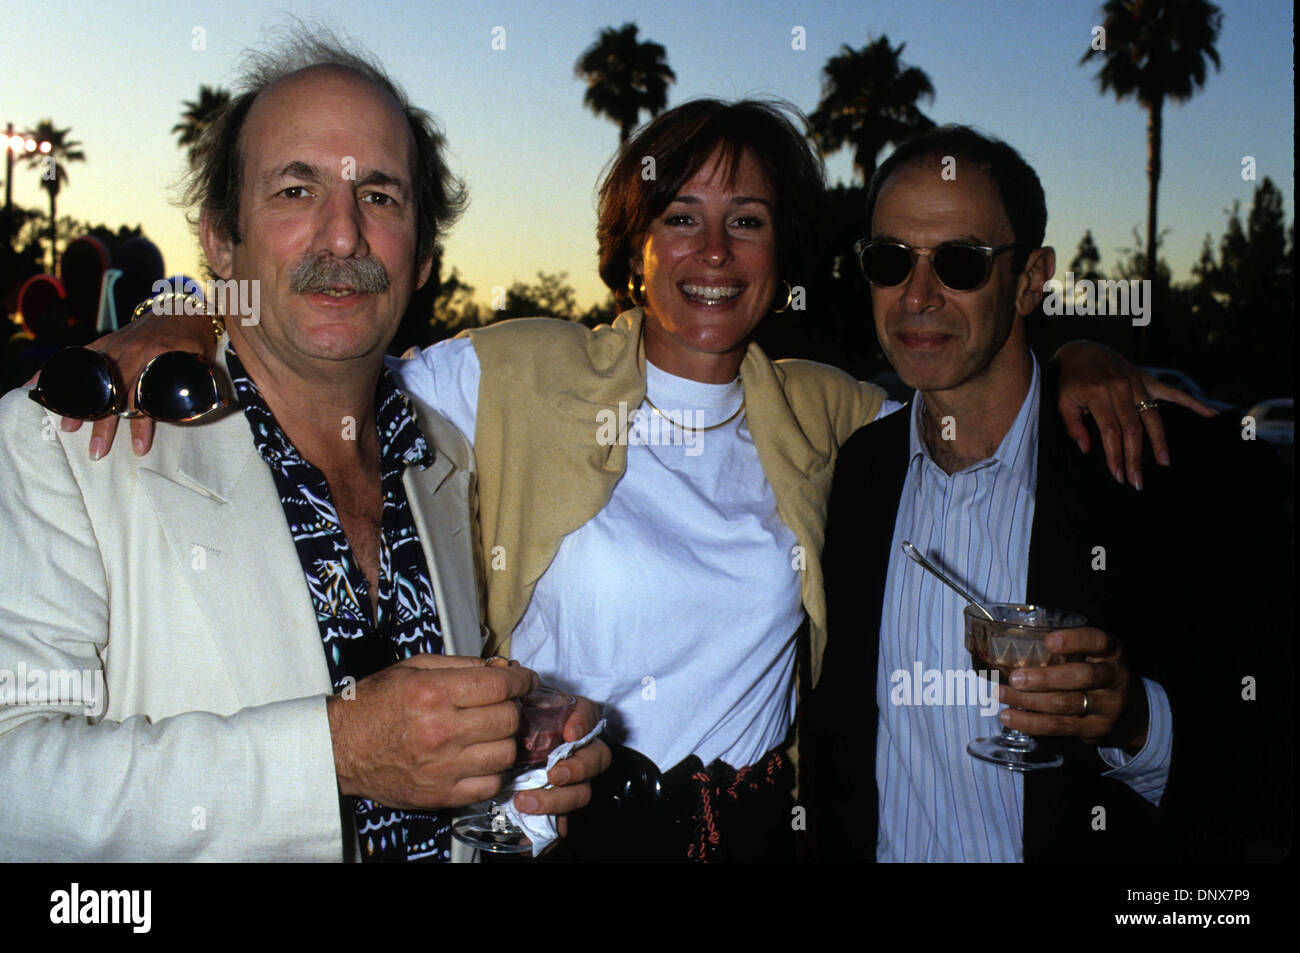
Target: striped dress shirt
(937, 803)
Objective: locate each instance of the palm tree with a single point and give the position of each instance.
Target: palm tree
(198, 115)
(868, 101)
(53, 171)
(1156, 50)
(624, 77)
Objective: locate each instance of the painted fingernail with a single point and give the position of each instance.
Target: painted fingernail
(96, 447)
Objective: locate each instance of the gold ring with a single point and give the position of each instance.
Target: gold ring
(1144, 405)
(1084, 713)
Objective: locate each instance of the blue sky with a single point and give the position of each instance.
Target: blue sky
(532, 155)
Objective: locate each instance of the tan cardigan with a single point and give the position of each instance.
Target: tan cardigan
(543, 474)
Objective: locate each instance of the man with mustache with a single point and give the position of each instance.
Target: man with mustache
(1185, 642)
(281, 602)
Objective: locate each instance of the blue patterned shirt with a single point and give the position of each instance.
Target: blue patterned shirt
(406, 620)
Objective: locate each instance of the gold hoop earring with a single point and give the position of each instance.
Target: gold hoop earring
(789, 297)
(632, 289)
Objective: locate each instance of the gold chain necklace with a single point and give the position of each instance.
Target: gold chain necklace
(695, 429)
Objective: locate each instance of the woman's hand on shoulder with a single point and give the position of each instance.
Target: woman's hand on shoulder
(1097, 380)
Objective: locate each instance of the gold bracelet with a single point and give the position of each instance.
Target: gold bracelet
(215, 321)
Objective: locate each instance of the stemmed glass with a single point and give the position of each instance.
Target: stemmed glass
(543, 713)
(1014, 639)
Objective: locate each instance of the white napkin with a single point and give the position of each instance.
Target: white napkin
(540, 828)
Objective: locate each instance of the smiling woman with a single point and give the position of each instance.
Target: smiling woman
(670, 571)
(704, 239)
(707, 266)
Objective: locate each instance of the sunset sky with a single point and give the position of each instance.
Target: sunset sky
(532, 154)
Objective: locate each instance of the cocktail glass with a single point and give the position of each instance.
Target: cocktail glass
(1014, 639)
(543, 713)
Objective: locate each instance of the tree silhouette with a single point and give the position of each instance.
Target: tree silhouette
(551, 297)
(868, 101)
(454, 308)
(624, 77)
(1155, 50)
(54, 172)
(1253, 282)
(198, 115)
(1086, 259)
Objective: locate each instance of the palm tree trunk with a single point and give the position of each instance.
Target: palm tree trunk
(1155, 126)
(865, 153)
(54, 234)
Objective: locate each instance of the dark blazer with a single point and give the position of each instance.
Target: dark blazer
(1197, 587)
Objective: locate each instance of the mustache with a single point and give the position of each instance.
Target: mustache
(324, 272)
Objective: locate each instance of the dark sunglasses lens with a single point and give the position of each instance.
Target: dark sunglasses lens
(175, 387)
(76, 382)
(960, 267)
(886, 265)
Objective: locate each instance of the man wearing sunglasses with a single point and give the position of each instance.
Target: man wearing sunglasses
(281, 601)
(986, 482)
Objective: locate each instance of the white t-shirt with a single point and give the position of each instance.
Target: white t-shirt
(676, 606)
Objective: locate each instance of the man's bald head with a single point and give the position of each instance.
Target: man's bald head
(216, 183)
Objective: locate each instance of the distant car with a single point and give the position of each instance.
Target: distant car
(1275, 425)
(1275, 421)
(1176, 378)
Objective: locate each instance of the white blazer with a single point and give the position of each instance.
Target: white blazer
(175, 576)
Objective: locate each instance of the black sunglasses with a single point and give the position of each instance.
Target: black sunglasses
(175, 387)
(959, 266)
